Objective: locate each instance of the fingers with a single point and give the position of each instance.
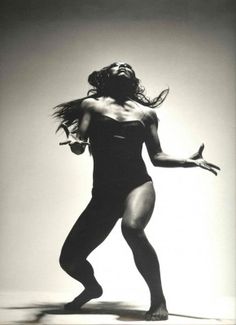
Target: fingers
(65, 128)
(214, 166)
(198, 154)
(201, 149)
(83, 143)
(213, 171)
(208, 167)
(71, 143)
(64, 142)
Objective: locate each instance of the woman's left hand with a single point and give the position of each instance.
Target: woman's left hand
(201, 162)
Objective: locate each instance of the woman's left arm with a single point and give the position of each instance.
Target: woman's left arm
(161, 159)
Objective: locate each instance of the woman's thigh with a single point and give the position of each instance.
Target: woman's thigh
(139, 206)
(91, 228)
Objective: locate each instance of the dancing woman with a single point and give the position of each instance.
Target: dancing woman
(114, 121)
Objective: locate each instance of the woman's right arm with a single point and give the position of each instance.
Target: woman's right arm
(79, 142)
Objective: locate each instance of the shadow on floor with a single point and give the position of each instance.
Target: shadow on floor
(123, 311)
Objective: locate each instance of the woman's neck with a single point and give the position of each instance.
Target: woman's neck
(120, 91)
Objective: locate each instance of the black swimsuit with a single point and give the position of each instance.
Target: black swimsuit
(116, 147)
(118, 169)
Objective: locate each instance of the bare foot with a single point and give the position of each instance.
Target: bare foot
(84, 297)
(157, 312)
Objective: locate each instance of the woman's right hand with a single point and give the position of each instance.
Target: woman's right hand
(77, 146)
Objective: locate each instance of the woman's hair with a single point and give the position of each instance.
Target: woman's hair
(100, 80)
(70, 113)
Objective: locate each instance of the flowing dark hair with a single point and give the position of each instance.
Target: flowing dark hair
(100, 82)
(70, 113)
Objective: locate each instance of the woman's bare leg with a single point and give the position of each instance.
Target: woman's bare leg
(89, 231)
(138, 209)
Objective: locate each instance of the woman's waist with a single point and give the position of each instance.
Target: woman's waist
(119, 177)
(118, 186)
(118, 169)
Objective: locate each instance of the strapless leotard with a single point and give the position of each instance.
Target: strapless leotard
(116, 148)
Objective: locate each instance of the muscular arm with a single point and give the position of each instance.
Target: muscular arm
(85, 120)
(157, 156)
(160, 158)
(78, 142)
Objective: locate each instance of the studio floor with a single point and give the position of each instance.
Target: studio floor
(24, 308)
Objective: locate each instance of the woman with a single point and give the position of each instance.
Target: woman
(117, 118)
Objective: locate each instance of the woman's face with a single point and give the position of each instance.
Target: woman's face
(121, 69)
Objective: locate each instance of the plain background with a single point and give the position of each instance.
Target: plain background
(48, 49)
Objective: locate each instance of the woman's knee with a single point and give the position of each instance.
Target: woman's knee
(67, 261)
(64, 262)
(131, 230)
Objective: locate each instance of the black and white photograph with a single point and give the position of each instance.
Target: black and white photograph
(118, 162)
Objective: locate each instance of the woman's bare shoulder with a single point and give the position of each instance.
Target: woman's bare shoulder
(90, 104)
(150, 115)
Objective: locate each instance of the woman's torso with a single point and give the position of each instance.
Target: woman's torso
(116, 146)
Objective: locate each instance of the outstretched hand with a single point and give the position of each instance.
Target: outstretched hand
(201, 162)
(77, 146)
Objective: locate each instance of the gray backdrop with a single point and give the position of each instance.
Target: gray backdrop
(48, 48)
